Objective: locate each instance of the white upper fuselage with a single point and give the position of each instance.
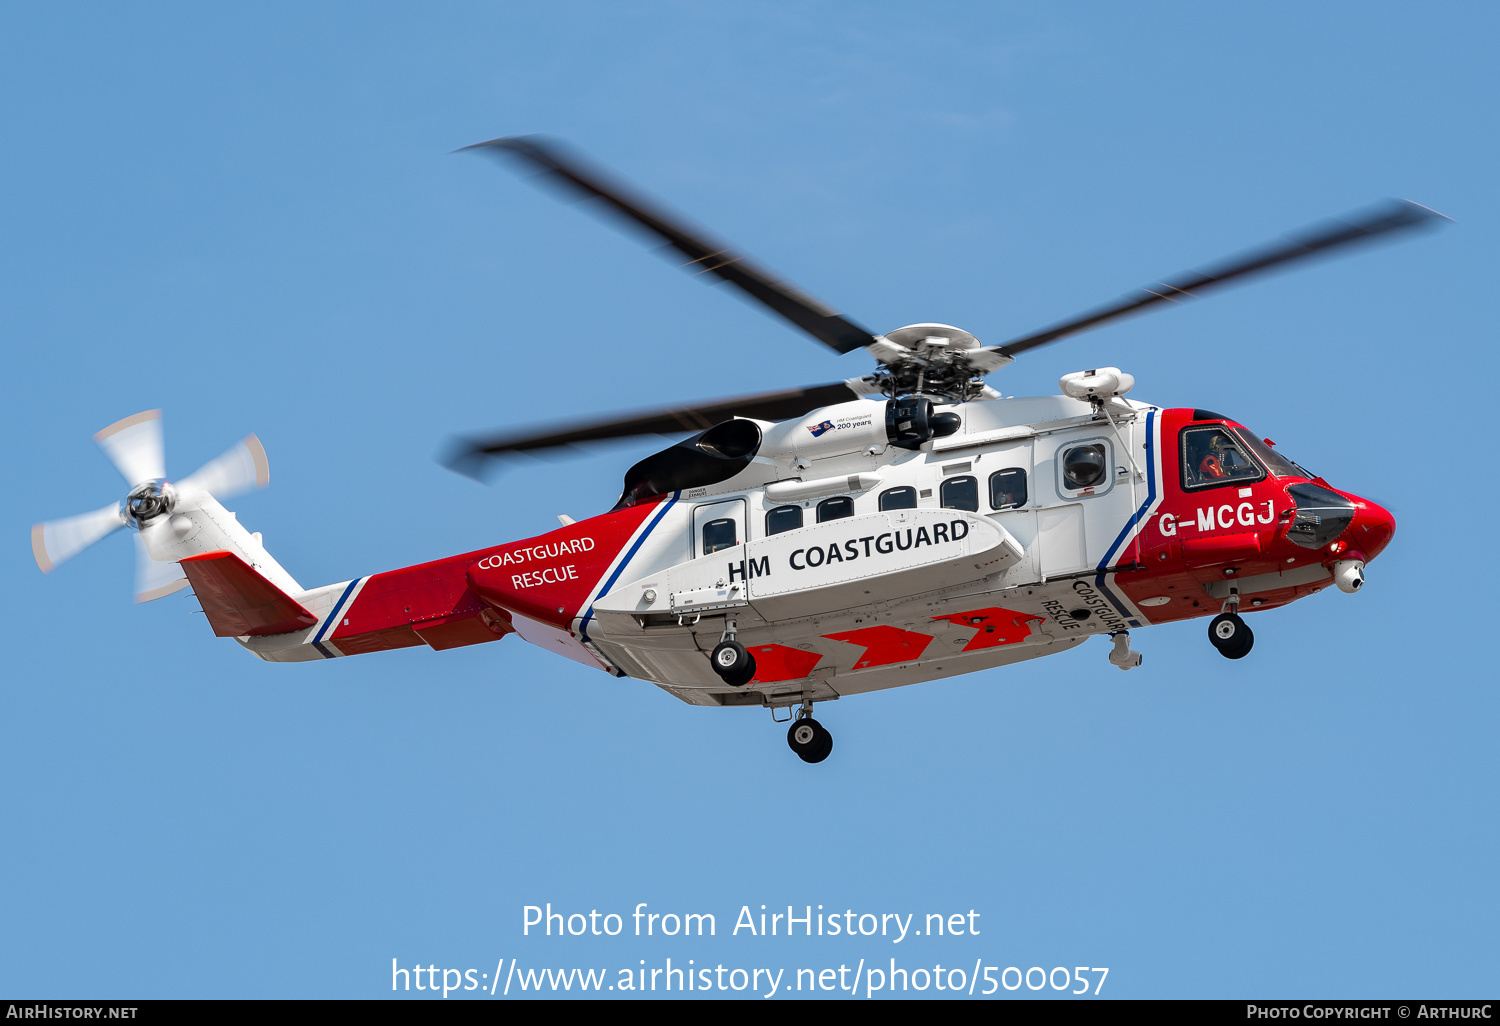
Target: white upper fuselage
(878, 619)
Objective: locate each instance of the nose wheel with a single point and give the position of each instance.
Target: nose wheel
(1230, 635)
(809, 739)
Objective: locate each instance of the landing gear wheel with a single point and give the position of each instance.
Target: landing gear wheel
(743, 678)
(734, 665)
(1231, 636)
(809, 740)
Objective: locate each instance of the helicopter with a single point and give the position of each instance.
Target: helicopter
(806, 545)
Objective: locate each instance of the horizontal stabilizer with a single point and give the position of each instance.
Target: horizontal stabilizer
(238, 600)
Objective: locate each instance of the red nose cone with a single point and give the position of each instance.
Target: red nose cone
(1372, 528)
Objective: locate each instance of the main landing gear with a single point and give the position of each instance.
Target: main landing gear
(808, 738)
(731, 661)
(736, 667)
(1228, 633)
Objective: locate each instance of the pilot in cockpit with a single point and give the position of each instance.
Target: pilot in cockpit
(1216, 455)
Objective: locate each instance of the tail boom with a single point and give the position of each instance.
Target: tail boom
(428, 604)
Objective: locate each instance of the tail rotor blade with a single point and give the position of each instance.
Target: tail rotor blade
(240, 469)
(57, 541)
(155, 579)
(134, 446)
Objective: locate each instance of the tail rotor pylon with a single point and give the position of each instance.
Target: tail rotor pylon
(153, 505)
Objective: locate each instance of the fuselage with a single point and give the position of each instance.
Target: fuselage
(848, 565)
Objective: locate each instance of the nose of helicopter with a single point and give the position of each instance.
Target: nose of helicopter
(1372, 528)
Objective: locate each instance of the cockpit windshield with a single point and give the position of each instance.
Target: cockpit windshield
(1217, 454)
(1277, 464)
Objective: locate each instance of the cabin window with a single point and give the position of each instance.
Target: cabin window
(783, 518)
(1213, 456)
(719, 534)
(898, 498)
(1008, 488)
(1085, 466)
(716, 526)
(835, 508)
(960, 493)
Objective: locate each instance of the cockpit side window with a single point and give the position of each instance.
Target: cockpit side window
(1215, 455)
(783, 518)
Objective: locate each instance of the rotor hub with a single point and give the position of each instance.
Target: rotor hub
(148, 501)
(939, 361)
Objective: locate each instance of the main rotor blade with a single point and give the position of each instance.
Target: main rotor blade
(238, 470)
(1392, 216)
(469, 455)
(705, 255)
(58, 541)
(134, 446)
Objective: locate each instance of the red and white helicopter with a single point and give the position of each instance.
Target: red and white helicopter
(811, 544)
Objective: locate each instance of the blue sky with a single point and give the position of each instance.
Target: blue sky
(251, 218)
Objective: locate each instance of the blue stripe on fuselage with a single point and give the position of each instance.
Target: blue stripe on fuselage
(1136, 518)
(338, 608)
(583, 624)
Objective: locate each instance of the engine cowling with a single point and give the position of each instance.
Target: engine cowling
(707, 458)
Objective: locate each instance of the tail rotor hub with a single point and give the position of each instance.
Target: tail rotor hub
(134, 446)
(148, 501)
